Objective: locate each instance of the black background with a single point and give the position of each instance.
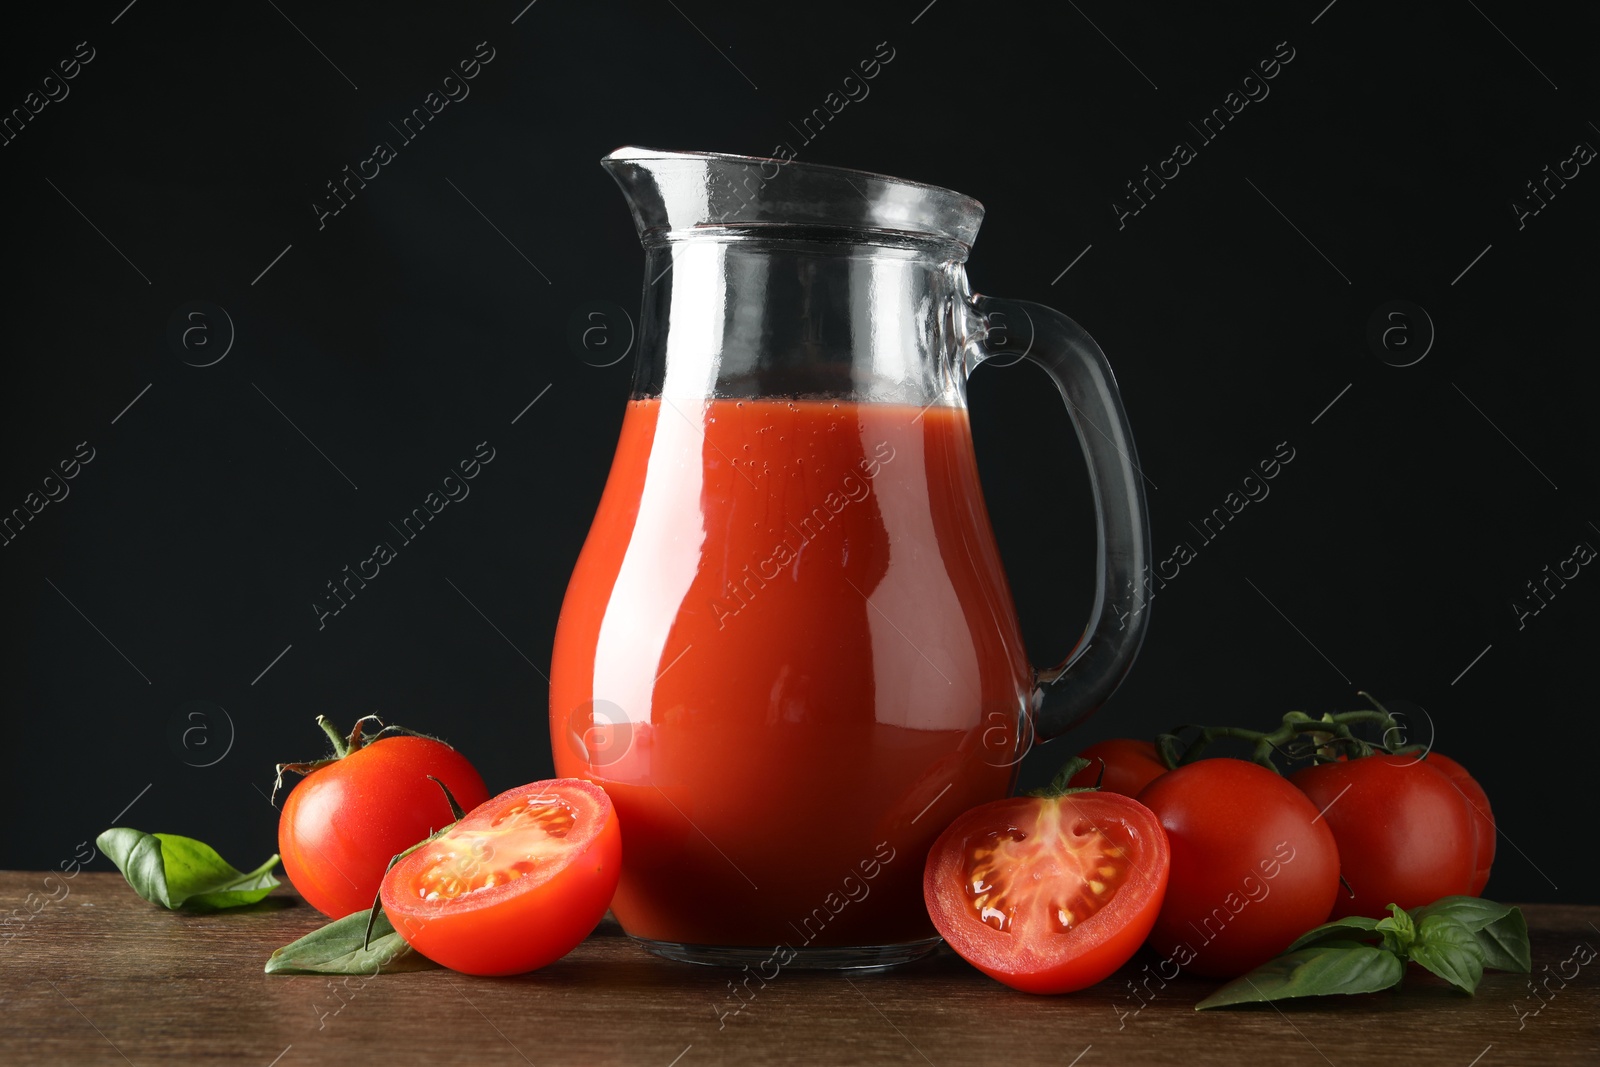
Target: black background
(415, 324)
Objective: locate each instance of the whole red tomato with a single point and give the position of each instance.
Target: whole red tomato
(350, 816)
(1129, 766)
(1253, 867)
(1483, 829)
(1404, 831)
(1048, 894)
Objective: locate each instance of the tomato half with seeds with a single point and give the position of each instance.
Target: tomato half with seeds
(1048, 895)
(514, 885)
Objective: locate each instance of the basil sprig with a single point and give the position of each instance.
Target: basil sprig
(180, 872)
(1456, 938)
(345, 946)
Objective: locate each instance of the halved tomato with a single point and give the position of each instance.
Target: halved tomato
(1051, 894)
(514, 885)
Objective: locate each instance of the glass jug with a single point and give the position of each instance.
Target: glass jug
(788, 651)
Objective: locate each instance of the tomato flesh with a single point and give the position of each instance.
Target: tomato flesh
(1083, 867)
(516, 884)
(1048, 895)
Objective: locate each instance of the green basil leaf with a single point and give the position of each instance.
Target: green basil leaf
(178, 872)
(1471, 912)
(1504, 943)
(1339, 929)
(336, 949)
(138, 856)
(197, 877)
(1501, 931)
(1398, 931)
(1333, 967)
(1446, 947)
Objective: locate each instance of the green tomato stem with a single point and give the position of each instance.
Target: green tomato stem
(1059, 786)
(341, 748)
(1329, 737)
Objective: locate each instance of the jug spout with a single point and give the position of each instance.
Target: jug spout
(681, 194)
(773, 278)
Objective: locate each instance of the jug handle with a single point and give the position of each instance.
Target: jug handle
(1067, 693)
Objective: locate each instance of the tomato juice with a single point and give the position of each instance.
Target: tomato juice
(789, 655)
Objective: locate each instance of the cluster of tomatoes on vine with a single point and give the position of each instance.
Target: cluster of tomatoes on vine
(1217, 864)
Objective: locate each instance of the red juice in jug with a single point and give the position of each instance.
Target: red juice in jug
(789, 655)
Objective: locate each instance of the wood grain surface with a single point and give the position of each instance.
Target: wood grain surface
(101, 977)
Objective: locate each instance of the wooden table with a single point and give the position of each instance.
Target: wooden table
(102, 977)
